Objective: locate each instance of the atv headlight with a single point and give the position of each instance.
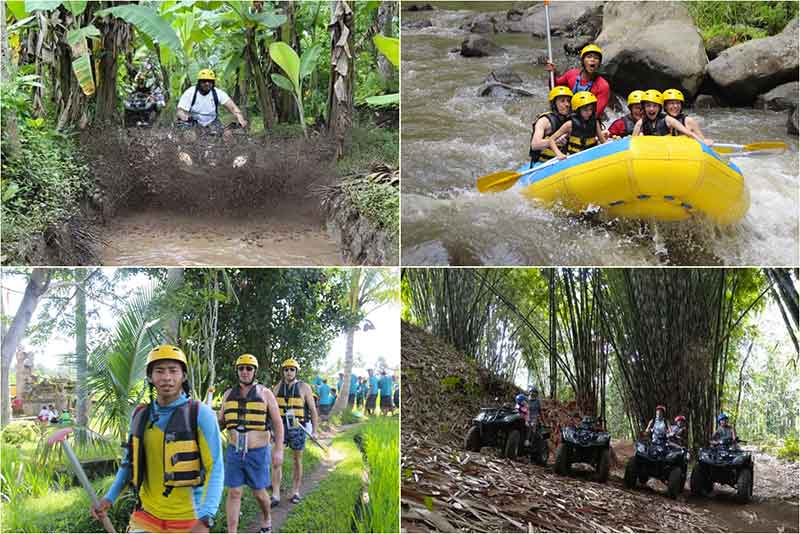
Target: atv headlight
(641, 447)
(706, 456)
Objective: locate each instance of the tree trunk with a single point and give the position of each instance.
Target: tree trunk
(551, 275)
(262, 88)
(174, 282)
(37, 286)
(287, 110)
(353, 304)
(164, 73)
(340, 88)
(82, 415)
(385, 15)
(116, 38)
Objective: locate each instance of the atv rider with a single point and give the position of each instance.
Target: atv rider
(725, 433)
(657, 426)
(522, 405)
(534, 408)
(678, 432)
(199, 105)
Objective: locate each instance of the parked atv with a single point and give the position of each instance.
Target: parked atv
(201, 148)
(724, 464)
(584, 444)
(140, 110)
(659, 459)
(505, 429)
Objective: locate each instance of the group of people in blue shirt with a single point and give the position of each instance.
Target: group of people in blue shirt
(363, 394)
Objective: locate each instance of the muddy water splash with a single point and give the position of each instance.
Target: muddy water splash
(169, 201)
(451, 136)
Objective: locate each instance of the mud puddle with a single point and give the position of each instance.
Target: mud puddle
(279, 237)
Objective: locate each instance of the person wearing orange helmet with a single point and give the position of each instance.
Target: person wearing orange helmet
(548, 122)
(250, 415)
(586, 78)
(656, 122)
(623, 126)
(583, 127)
(200, 104)
(296, 405)
(673, 106)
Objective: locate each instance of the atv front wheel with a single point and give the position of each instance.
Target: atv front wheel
(744, 485)
(472, 441)
(601, 474)
(699, 482)
(512, 445)
(561, 466)
(631, 473)
(542, 454)
(675, 485)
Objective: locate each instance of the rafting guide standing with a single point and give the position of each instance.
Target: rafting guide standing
(249, 412)
(586, 78)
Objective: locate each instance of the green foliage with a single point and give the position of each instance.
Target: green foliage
(380, 203)
(382, 452)
(741, 21)
(329, 507)
(789, 451)
(296, 69)
(148, 21)
(19, 432)
(346, 417)
(369, 144)
(42, 181)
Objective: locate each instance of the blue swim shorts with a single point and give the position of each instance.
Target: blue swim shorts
(252, 470)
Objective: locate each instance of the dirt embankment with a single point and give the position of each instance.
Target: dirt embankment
(447, 489)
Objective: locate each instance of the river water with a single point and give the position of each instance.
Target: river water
(451, 136)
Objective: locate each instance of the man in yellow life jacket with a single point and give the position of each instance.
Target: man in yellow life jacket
(296, 403)
(548, 122)
(248, 413)
(583, 127)
(173, 456)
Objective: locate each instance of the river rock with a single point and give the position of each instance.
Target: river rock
(418, 7)
(562, 14)
(504, 75)
(744, 71)
(589, 24)
(417, 24)
(657, 48)
(503, 83)
(705, 102)
(781, 98)
(791, 123)
(574, 45)
(486, 23)
(477, 46)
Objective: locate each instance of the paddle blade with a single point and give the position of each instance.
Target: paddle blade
(497, 181)
(773, 147)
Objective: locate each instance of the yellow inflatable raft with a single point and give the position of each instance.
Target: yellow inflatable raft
(645, 177)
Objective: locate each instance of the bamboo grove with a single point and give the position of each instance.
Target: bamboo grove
(677, 337)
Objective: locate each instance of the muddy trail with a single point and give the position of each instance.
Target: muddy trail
(446, 488)
(167, 197)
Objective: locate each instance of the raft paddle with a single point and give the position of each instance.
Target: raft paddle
(773, 147)
(549, 46)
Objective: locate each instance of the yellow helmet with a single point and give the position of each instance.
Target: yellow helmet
(291, 362)
(559, 90)
(166, 352)
(672, 94)
(592, 48)
(654, 96)
(635, 97)
(206, 74)
(247, 359)
(582, 98)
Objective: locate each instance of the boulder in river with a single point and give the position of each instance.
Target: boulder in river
(658, 48)
(417, 24)
(503, 83)
(417, 7)
(490, 22)
(477, 46)
(705, 102)
(746, 70)
(791, 123)
(562, 15)
(781, 98)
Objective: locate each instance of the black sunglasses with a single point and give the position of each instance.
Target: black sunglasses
(289, 369)
(245, 368)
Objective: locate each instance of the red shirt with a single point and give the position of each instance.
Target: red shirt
(618, 128)
(599, 89)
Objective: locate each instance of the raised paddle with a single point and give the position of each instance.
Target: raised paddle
(549, 46)
(773, 147)
(61, 437)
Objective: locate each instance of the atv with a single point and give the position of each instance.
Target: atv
(661, 459)
(584, 444)
(724, 463)
(140, 110)
(505, 428)
(201, 148)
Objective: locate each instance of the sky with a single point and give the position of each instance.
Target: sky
(384, 340)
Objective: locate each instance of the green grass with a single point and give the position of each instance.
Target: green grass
(382, 451)
(369, 144)
(329, 508)
(741, 21)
